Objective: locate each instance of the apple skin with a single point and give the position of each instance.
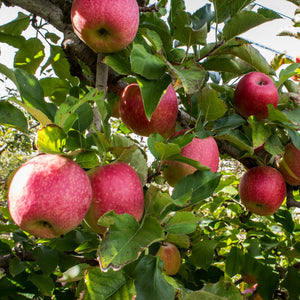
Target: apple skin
(289, 165)
(49, 195)
(203, 150)
(132, 112)
(105, 26)
(117, 187)
(262, 190)
(171, 257)
(253, 93)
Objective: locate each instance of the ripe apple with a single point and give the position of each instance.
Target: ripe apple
(253, 93)
(117, 187)
(262, 190)
(105, 25)
(49, 195)
(289, 165)
(132, 112)
(171, 257)
(203, 150)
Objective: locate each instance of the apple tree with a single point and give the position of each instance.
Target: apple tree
(62, 98)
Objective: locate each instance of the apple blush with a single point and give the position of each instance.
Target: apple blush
(262, 190)
(49, 195)
(253, 93)
(203, 150)
(105, 26)
(116, 187)
(132, 112)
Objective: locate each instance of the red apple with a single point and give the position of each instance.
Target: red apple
(289, 165)
(105, 25)
(132, 112)
(117, 187)
(171, 257)
(203, 150)
(49, 195)
(253, 93)
(262, 190)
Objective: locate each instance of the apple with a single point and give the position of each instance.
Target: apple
(203, 150)
(171, 257)
(262, 190)
(116, 187)
(132, 112)
(49, 195)
(105, 25)
(289, 165)
(253, 93)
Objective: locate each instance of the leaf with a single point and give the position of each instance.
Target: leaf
(237, 138)
(183, 222)
(30, 55)
(150, 284)
(51, 139)
(152, 92)
(126, 239)
(191, 75)
(226, 289)
(230, 121)
(150, 66)
(284, 217)
(16, 266)
(234, 262)
(291, 283)
(243, 21)
(9, 73)
(202, 295)
(32, 93)
(47, 259)
(11, 116)
(88, 159)
(211, 105)
(16, 26)
(200, 184)
(261, 131)
(119, 62)
(203, 253)
(75, 273)
(45, 284)
(273, 145)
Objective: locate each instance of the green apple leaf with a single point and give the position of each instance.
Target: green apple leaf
(203, 253)
(126, 239)
(191, 75)
(199, 185)
(261, 131)
(203, 295)
(211, 105)
(107, 285)
(150, 66)
(47, 259)
(16, 26)
(152, 91)
(16, 266)
(119, 62)
(150, 284)
(234, 261)
(225, 289)
(12, 116)
(291, 281)
(88, 159)
(273, 145)
(51, 139)
(237, 138)
(32, 93)
(245, 20)
(284, 217)
(230, 121)
(44, 283)
(183, 222)
(30, 55)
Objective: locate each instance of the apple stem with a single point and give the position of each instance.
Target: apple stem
(101, 86)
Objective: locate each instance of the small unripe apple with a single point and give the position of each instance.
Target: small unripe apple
(116, 187)
(203, 150)
(132, 112)
(289, 165)
(262, 190)
(171, 257)
(105, 25)
(49, 195)
(253, 93)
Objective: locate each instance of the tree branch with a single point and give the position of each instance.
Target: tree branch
(290, 200)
